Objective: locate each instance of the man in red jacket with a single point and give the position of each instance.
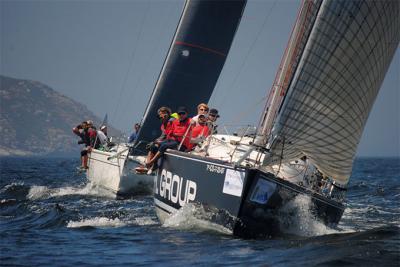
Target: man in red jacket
(175, 138)
(198, 133)
(164, 114)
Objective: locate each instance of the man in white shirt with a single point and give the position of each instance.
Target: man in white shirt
(102, 135)
(202, 109)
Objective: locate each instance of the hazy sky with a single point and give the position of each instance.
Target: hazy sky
(108, 54)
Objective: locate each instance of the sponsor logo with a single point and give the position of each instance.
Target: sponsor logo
(216, 169)
(233, 183)
(175, 188)
(262, 191)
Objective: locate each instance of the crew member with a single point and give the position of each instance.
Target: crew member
(198, 133)
(135, 133)
(212, 119)
(164, 114)
(202, 109)
(176, 137)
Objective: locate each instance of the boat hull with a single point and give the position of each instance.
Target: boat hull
(248, 201)
(116, 173)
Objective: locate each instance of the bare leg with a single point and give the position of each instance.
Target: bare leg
(153, 159)
(150, 155)
(85, 160)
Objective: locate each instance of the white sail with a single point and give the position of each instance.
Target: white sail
(335, 85)
(290, 60)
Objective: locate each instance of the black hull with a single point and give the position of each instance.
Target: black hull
(247, 201)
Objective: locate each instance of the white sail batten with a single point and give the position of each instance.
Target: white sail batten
(335, 85)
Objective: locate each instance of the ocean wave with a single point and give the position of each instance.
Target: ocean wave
(16, 191)
(89, 189)
(194, 217)
(96, 222)
(296, 218)
(38, 192)
(146, 220)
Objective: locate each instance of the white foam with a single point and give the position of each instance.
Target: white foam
(38, 192)
(145, 221)
(297, 219)
(41, 192)
(11, 185)
(193, 216)
(88, 189)
(96, 222)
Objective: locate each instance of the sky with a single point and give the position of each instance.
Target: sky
(108, 54)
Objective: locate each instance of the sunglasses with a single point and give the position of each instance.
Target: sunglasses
(203, 109)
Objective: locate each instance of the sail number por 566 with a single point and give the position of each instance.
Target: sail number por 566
(216, 169)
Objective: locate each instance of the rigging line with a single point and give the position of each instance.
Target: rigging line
(152, 95)
(156, 47)
(248, 111)
(225, 96)
(132, 58)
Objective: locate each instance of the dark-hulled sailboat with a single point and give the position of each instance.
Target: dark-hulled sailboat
(329, 77)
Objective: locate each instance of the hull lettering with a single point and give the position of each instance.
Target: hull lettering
(175, 188)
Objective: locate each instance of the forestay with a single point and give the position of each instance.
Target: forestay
(335, 85)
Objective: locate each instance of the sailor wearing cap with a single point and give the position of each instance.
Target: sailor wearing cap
(212, 119)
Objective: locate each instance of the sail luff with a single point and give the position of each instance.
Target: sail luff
(294, 48)
(333, 90)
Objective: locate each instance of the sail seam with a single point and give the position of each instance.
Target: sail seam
(201, 48)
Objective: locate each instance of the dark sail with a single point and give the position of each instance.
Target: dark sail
(194, 61)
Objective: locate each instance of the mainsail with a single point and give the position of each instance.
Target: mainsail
(335, 84)
(195, 59)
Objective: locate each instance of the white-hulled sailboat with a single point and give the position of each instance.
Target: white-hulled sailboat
(188, 77)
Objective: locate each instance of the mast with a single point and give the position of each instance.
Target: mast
(195, 60)
(335, 84)
(291, 57)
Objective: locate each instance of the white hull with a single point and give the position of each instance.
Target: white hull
(115, 172)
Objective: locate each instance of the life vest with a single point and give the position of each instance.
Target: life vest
(167, 128)
(179, 129)
(94, 142)
(196, 131)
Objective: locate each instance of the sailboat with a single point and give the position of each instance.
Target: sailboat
(191, 69)
(305, 144)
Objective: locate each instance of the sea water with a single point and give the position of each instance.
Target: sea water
(51, 216)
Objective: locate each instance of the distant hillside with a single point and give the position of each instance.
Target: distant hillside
(36, 120)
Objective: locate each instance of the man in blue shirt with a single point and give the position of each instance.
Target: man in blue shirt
(134, 135)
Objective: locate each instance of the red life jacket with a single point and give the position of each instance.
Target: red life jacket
(196, 131)
(167, 128)
(179, 129)
(92, 133)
